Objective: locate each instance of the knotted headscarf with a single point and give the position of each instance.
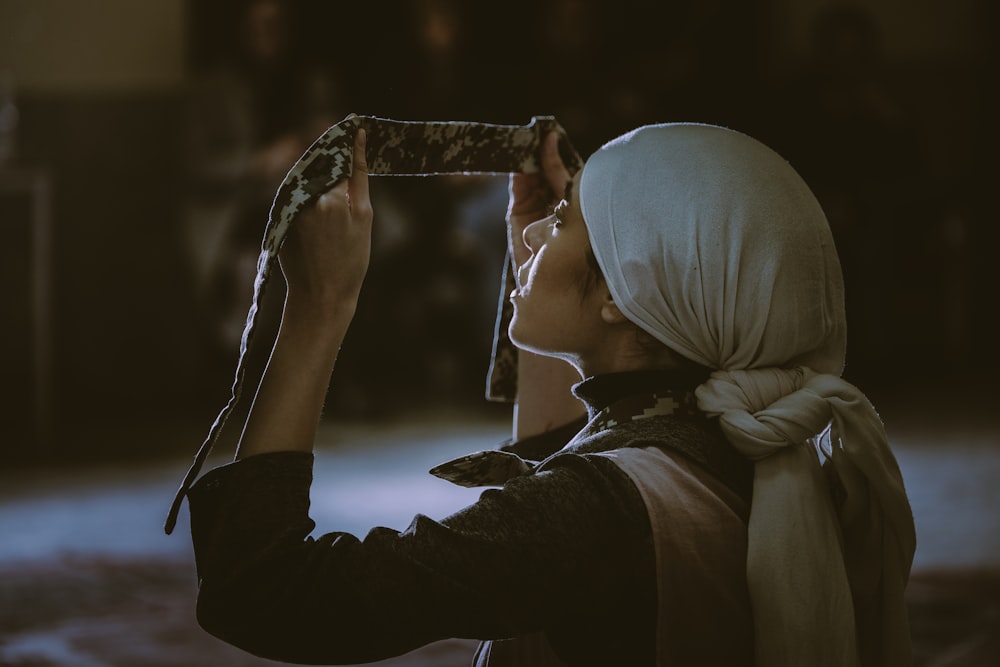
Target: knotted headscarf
(714, 245)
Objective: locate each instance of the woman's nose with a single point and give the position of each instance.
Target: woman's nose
(533, 234)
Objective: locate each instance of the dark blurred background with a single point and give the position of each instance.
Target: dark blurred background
(141, 143)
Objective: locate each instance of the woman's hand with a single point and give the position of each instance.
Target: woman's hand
(324, 259)
(325, 256)
(544, 400)
(532, 196)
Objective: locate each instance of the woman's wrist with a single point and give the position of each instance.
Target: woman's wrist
(321, 313)
(289, 401)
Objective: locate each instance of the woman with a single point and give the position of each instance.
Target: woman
(689, 277)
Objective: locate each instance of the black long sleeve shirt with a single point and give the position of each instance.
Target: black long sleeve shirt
(565, 551)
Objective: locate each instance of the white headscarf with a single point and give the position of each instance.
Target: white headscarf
(714, 245)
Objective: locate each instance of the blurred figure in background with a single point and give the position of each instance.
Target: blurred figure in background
(569, 42)
(247, 120)
(428, 339)
(438, 66)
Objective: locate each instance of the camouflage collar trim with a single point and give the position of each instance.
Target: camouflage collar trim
(601, 391)
(491, 467)
(643, 406)
(495, 468)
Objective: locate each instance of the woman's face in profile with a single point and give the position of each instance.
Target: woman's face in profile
(554, 312)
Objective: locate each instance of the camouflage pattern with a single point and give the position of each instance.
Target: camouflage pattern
(393, 148)
(416, 149)
(492, 467)
(642, 406)
(409, 148)
(495, 467)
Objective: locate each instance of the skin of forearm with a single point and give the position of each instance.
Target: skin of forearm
(289, 401)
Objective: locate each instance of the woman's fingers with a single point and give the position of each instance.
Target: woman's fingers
(533, 195)
(553, 168)
(325, 256)
(358, 182)
(527, 196)
(529, 201)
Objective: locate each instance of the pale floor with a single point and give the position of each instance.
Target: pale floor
(88, 578)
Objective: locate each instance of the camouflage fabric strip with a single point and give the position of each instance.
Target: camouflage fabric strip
(501, 378)
(394, 148)
(408, 148)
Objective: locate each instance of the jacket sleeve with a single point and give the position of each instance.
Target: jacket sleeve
(508, 564)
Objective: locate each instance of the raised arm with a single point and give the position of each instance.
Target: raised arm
(544, 400)
(324, 261)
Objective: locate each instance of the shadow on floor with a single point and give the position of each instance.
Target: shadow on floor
(140, 613)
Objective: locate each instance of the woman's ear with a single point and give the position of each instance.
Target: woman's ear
(610, 312)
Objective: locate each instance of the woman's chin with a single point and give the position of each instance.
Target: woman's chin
(523, 340)
(514, 333)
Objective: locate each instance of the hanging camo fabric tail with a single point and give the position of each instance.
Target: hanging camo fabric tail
(394, 148)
